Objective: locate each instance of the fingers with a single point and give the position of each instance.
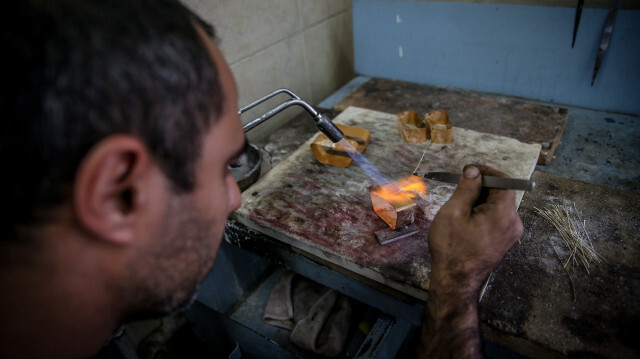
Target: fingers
(469, 237)
(497, 196)
(469, 188)
(501, 204)
(469, 199)
(488, 171)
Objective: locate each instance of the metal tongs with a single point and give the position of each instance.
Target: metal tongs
(487, 181)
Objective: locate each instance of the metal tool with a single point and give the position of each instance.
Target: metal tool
(487, 181)
(606, 37)
(323, 123)
(576, 22)
(389, 235)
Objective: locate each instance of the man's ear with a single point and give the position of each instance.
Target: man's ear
(113, 187)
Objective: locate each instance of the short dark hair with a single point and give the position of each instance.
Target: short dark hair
(76, 71)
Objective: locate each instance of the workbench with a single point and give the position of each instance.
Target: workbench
(532, 306)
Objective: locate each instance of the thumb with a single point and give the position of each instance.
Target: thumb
(469, 187)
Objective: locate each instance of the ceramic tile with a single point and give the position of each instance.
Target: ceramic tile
(303, 45)
(244, 27)
(329, 55)
(280, 65)
(313, 11)
(336, 6)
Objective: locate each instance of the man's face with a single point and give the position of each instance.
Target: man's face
(190, 233)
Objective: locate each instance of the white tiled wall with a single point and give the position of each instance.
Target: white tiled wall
(303, 45)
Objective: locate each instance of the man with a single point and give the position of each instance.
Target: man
(120, 121)
(118, 141)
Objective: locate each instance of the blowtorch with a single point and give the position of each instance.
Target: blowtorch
(323, 123)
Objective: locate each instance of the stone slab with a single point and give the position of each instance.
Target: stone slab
(326, 210)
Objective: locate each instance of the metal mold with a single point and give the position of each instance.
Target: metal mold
(329, 153)
(441, 131)
(412, 128)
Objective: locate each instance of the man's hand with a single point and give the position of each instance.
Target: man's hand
(468, 238)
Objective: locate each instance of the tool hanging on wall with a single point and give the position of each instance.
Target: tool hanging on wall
(606, 37)
(576, 22)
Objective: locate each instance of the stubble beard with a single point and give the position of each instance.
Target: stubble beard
(166, 280)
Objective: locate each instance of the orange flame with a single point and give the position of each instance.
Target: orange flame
(409, 186)
(394, 197)
(412, 185)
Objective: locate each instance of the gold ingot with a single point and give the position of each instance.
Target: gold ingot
(335, 154)
(412, 128)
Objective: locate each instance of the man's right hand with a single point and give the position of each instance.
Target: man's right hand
(467, 240)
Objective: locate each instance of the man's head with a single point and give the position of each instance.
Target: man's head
(119, 120)
(79, 71)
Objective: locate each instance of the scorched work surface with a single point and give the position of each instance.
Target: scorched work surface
(326, 211)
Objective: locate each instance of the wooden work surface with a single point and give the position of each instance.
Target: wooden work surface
(326, 210)
(526, 122)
